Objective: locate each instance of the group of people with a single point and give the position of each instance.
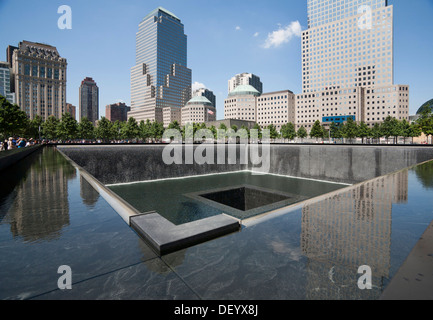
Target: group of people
(13, 143)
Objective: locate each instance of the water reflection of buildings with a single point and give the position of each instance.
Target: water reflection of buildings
(40, 209)
(424, 174)
(348, 230)
(89, 195)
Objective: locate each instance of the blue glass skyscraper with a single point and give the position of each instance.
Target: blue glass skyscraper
(160, 78)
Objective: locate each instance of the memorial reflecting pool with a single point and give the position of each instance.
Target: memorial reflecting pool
(240, 194)
(50, 216)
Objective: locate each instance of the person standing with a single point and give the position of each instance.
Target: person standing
(21, 143)
(10, 144)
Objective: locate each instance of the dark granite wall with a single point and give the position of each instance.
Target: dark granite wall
(131, 163)
(10, 157)
(348, 164)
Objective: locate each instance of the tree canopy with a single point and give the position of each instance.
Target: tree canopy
(13, 121)
(67, 127)
(288, 131)
(317, 130)
(350, 129)
(302, 132)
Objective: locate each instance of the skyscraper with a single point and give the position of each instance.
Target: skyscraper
(38, 79)
(347, 64)
(89, 100)
(348, 44)
(5, 82)
(160, 79)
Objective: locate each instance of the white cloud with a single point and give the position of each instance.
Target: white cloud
(256, 34)
(238, 28)
(283, 35)
(197, 85)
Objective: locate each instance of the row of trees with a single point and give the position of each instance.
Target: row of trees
(68, 129)
(14, 122)
(350, 130)
(389, 128)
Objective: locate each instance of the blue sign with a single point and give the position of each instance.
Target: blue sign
(337, 119)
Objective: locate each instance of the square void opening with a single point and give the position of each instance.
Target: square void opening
(244, 198)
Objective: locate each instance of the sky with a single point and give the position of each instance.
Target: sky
(225, 37)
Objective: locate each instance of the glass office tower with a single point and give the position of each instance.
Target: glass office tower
(160, 78)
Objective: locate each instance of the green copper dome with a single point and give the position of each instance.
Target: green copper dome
(200, 100)
(426, 106)
(244, 90)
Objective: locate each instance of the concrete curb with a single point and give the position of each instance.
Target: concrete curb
(166, 237)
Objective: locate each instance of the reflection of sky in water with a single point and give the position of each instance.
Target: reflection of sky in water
(51, 217)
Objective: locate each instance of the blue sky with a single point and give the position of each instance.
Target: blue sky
(224, 38)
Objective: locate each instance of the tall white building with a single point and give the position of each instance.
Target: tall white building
(347, 64)
(343, 48)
